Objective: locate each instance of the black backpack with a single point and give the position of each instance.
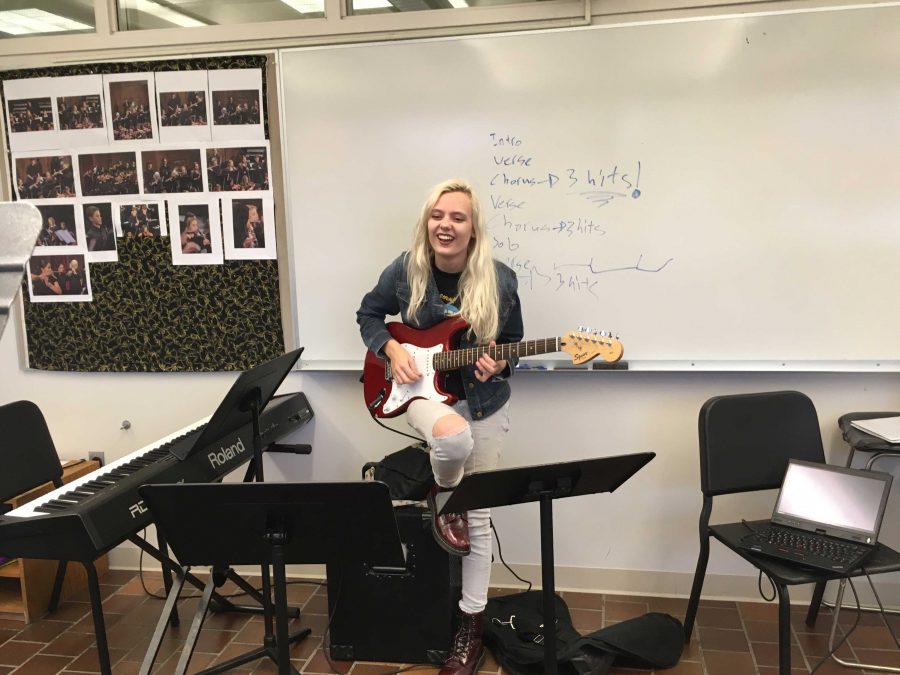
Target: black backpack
(514, 632)
(406, 472)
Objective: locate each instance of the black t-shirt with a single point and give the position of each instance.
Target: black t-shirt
(448, 288)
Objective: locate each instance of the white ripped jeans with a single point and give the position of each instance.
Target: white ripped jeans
(450, 461)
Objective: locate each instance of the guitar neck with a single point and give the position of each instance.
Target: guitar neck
(457, 358)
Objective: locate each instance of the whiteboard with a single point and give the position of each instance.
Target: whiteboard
(720, 190)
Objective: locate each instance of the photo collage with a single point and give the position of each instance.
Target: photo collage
(105, 158)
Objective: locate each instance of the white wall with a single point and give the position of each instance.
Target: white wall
(640, 539)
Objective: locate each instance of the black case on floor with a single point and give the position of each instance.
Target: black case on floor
(402, 615)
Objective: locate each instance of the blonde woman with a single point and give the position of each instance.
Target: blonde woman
(449, 272)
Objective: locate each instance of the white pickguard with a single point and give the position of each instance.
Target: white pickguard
(421, 388)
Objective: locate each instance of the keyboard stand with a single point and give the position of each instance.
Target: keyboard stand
(222, 603)
(93, 584)
(169, 566)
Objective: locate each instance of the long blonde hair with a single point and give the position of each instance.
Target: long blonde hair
(478, 282)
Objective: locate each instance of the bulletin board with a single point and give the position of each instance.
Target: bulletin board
(186, 292)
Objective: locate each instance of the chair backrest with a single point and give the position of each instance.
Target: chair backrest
(28, 457)
(746, 440)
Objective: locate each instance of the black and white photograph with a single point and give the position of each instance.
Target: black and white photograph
(236, 107)
(108, 173)
(44, 176)
(130, 108)
(248, 227)
(99, 233)
(195, 231)
(59, 226)
(141, 220)
(173, 170)
(59, 278)
(238, 168)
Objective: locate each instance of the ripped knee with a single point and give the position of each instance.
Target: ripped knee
(453, 441)
(449, 425)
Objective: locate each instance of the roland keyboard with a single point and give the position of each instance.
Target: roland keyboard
(91, 514)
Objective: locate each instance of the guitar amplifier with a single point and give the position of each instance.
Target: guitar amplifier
(400, 615)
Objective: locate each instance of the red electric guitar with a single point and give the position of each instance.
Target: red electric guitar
(434, 353)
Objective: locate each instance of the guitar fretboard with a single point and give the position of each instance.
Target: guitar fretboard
(457, 358)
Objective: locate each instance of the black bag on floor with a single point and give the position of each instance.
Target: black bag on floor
(514, 632)
(406, 472)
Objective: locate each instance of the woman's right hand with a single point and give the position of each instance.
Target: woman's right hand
(403, 365)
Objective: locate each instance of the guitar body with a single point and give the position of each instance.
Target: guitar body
(435, 353)
(389, 399)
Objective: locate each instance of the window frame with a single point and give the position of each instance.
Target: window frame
(337, 27)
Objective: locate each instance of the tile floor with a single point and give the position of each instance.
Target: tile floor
(731, 638)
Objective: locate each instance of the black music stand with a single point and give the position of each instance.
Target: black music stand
(222, 524)
(242, 405)
(543, 483)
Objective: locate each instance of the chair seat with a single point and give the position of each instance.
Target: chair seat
(860, 440)
(884, 559)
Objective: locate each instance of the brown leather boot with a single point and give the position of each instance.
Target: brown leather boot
(467, 652)
(451, 530)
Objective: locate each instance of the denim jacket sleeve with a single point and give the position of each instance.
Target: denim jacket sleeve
(382, 301)
(511, 325)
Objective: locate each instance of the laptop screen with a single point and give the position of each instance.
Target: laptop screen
(843, 502)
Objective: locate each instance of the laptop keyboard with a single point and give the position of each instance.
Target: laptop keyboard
(822, 547)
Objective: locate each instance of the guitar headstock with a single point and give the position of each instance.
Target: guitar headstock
(586, 344)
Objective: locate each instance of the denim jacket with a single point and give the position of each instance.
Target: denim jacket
(391, 297)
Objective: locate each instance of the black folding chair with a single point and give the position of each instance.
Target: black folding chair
(746, 441)
(29, 460)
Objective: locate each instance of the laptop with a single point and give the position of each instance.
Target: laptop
(826, 517)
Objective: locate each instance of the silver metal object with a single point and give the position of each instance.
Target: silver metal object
(20, 224)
